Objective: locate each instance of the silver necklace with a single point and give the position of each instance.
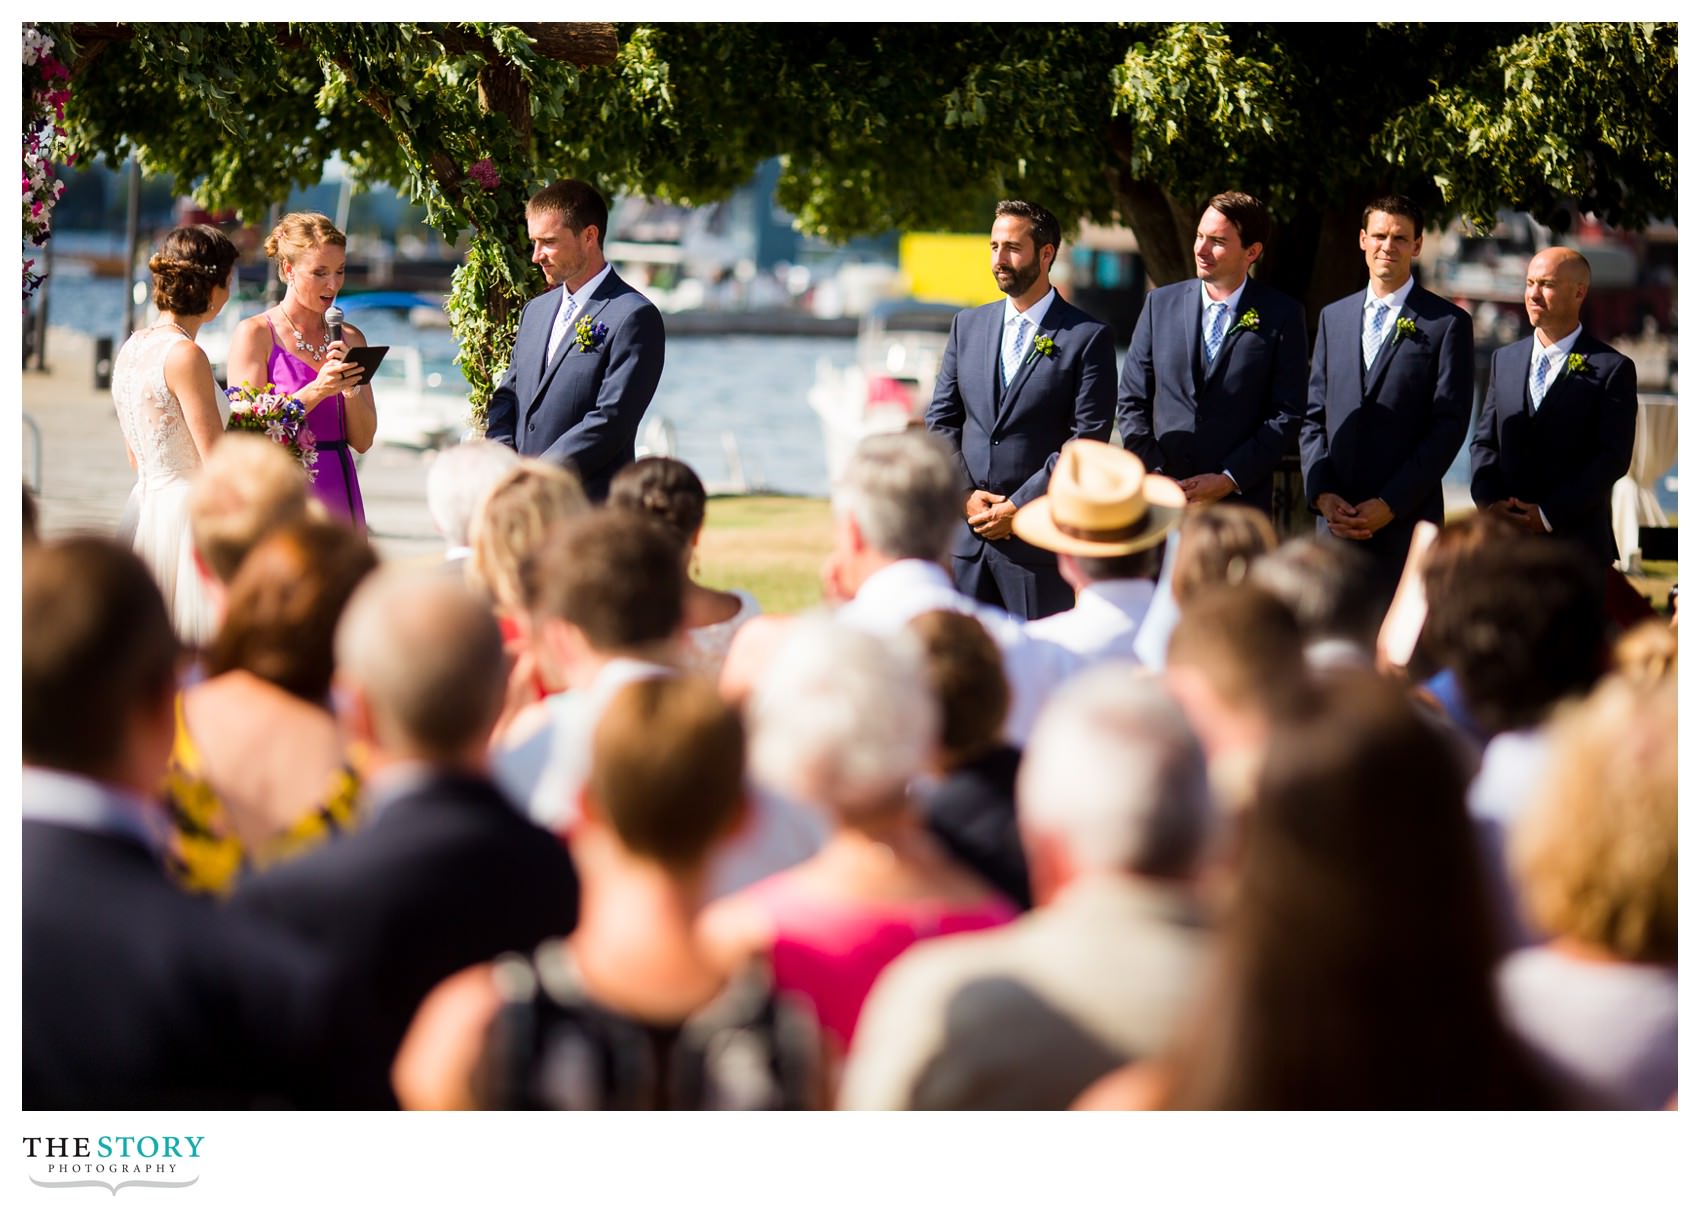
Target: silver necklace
(178, 327)
(302, 345)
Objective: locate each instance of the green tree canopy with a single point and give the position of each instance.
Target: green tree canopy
(913, 126)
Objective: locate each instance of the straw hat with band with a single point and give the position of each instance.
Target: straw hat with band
(1101, 502)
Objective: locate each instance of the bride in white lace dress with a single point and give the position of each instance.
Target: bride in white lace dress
(171, 412)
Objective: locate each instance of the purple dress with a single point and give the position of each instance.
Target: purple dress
(336, 484)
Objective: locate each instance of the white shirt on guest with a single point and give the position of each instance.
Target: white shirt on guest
(1103, 623)
(898, 592)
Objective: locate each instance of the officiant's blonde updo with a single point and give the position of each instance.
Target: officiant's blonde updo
(189, 264)
(301, 232)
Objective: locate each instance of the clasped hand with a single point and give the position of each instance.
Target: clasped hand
(1348, 521)
(1520, 513)
(990, 515)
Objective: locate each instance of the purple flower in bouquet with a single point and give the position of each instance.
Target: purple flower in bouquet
(273, 415)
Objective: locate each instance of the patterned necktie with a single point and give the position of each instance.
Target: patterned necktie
(1372, 333)
(1013, 348)
(1539, 391)
(1213, 335)
(563, 322)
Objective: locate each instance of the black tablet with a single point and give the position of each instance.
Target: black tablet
(367, 358)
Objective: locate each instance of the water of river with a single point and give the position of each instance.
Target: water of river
(730, 400)
(746, 393)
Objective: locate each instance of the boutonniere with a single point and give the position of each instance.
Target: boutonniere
(1576, 364)
(1043, 347)
(589, 335)
(1404, 327)
(1249, 320)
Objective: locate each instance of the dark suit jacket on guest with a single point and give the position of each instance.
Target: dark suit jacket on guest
(1006, 439)
(1566, 455)
(448, 874)
(972, 811)
(1238, 414)
(585, 406)
(1393, 430)
(137, 995)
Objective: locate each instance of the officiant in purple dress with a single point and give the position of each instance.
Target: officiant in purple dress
(289, 347)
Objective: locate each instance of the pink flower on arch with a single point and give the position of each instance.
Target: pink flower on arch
(485, 174)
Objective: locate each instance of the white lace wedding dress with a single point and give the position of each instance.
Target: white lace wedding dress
(156, 520)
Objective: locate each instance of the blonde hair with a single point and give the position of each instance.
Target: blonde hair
(300, 232)
(247, 487)
(512, 520)
(1217, 546)
(1595, 856)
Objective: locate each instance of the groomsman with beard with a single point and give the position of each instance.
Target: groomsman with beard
(1018, 379)
(1558, 426)
(1214, 383)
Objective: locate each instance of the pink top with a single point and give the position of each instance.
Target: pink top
(336, 483)
(831, 951)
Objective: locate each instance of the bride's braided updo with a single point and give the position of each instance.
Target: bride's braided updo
(190, 262)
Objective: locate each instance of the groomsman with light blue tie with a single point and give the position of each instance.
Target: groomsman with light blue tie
(1557, 429)
(1214, 382)
(1391, 383)
(1019, 377)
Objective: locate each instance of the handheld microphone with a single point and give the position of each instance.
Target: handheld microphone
(333, 324)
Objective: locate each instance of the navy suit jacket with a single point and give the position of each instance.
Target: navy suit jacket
(585, 406)
(1393, 430)
(1566, 455)
(1007, 438)
(449, 874)
(1240, 413)
(138, 995)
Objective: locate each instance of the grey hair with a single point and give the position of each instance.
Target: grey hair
(1113, 768)
(842, 719)
(904, 492)
(459, 479)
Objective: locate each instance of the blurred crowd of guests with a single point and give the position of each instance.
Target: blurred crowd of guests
(553, 825)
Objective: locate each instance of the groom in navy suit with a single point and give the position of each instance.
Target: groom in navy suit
(1018, 379)
(588, 354)
(1391, 383)
(1558, 426)
(1213, 387)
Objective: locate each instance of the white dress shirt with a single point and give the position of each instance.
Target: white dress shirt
(898, 592)
(1232, 302)
(1554, 356)
(58, 797)
(1035, 315)
(1103, 623)
(1395, 304)
(571, 304)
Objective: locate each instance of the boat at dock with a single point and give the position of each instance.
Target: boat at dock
(888, 386)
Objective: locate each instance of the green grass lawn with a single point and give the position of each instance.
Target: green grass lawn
(771, 547)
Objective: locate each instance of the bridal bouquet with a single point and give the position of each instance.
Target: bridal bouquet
(274, 415)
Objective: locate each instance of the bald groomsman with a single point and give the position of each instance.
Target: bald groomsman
(1214, 383)
(1558, 426)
